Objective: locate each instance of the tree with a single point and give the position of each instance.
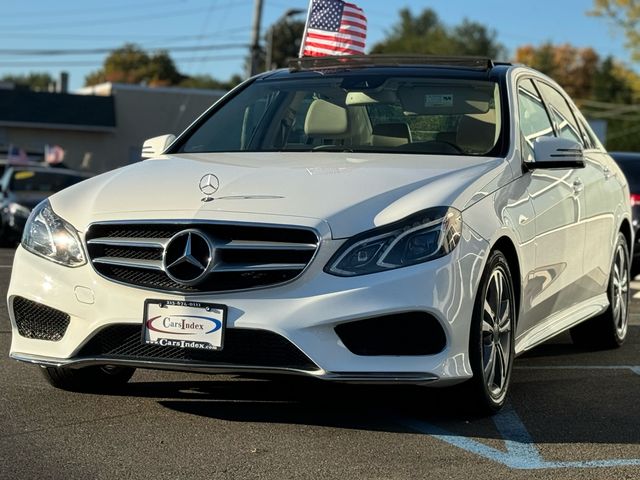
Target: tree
(131, 64)
(287, 36)
(573, 68)
(626, 15)
(207, 81)
(613, 83)
(35, 81)
(426, 34)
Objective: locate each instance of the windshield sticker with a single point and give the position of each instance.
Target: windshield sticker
(24, 175)
(442, 100)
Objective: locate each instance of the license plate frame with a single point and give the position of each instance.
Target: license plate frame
(184, 324)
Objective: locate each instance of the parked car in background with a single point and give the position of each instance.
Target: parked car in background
(629, 163)
(22, 188)
(360, 219)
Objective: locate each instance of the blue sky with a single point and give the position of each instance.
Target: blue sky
(75, 24)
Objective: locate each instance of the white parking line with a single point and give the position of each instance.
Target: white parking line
(6, 266)
(634, 368)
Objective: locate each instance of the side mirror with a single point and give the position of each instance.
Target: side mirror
(558, 153)
(156, 145)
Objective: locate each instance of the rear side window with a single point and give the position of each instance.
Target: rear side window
(563, 118)
(534, 120)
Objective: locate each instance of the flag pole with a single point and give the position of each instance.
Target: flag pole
(306, 28)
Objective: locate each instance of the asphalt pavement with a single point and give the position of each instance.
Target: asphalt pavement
(572, 414)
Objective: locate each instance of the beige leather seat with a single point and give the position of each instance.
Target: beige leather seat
(477, 132)
(390, 135)
(326, 121)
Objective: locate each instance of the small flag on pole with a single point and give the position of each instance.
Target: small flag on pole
(17, 156)
(334, 27)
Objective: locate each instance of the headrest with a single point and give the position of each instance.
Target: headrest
(325, 118)
(477, 132)
(391, 134)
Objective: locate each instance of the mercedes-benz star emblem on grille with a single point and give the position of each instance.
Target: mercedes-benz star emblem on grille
(188, 257)
(209, 185)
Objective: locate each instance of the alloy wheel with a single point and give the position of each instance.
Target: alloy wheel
(620, 291)
(496, 333)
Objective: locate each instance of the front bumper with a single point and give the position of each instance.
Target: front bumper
(305, 312)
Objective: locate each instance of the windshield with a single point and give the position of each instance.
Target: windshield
(359, 114)
(31, 181)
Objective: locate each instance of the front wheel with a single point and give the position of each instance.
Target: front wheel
(609, 330)
(103, 378)
(492, 338)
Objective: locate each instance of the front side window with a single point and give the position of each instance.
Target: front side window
(373, 113)
(534, 120)
(563, 118)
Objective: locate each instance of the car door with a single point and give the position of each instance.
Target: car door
(558, 202)
(603, 189)
(595, 177)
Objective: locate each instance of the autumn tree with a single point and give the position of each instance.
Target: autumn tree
(425, 33)
(573, 68)
(626, 15)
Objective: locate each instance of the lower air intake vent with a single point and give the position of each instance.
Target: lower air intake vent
(405, 334)
(39, 321)
(242, 347)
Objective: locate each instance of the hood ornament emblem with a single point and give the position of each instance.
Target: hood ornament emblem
(209, 184)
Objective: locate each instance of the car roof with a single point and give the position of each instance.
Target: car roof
(408, 65)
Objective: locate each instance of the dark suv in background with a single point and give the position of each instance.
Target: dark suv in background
(629, 162)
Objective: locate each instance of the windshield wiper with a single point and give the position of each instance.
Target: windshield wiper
(332, 148)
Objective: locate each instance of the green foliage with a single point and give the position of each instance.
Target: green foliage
(131, 64)
(207, 81)
(34, 81)
(426, 34)
(287, 36)
(625, 14)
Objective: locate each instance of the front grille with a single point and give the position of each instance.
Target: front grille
(242, 347)
(39, 321)
(246, 256)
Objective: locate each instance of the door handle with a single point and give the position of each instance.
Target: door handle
(578, 186)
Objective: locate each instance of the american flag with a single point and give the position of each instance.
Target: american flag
(334, 27)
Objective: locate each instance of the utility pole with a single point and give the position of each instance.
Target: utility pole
(254, 59)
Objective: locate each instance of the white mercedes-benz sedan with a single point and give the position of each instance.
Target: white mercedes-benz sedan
(374, 220)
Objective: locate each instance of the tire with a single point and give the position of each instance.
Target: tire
(492, 339)
(89, 379)
(609, 330)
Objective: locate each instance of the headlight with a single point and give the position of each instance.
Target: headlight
(51, 237)
(16, 209)
(425, 236)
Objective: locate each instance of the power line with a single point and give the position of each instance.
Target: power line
(92, 22)
(94, 51)
(94, 63)
(65, 13)
(81, 36)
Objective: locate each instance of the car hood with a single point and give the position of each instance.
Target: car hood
(349, 192)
